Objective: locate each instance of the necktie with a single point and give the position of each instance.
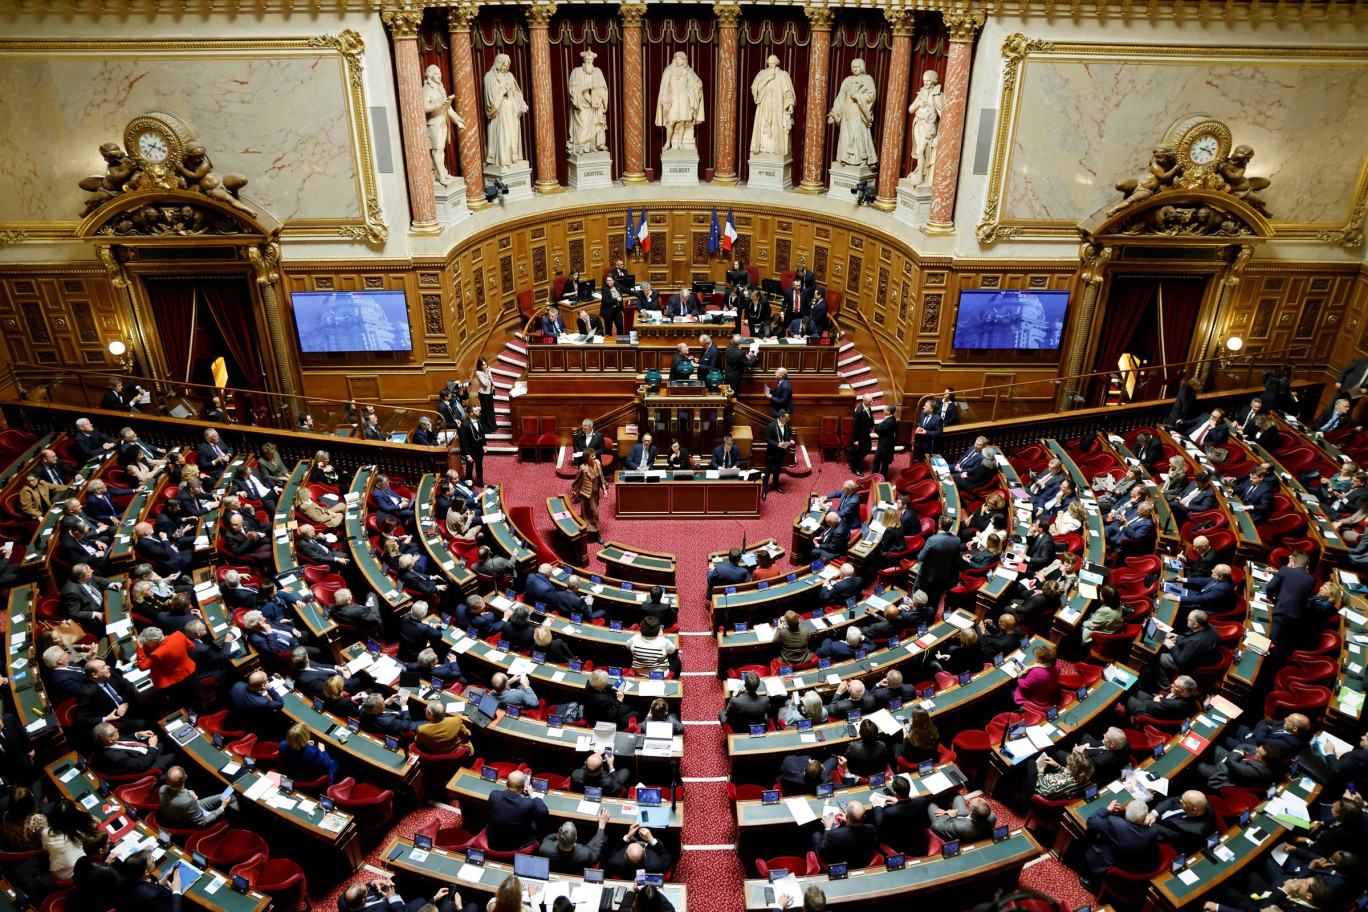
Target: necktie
(111, 693)
(1201, 435)
(92, 592)
(54, 475)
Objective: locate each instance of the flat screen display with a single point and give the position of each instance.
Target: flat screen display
(352, 321)
(1010, 319)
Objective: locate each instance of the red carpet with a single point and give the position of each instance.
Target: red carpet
(708, 864)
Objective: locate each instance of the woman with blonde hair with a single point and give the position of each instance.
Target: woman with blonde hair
(323, 471)
(988, 555)
(892, 541)
(508, 898)
(316, 513)
(809, 707)
(1070, 520)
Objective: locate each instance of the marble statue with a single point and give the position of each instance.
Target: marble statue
(504, 107)
(772, 91)
(853, 112)
(118, 169)
(680, 105)
(588, 108)
(199, 174)
(926, 115)
(440, 116)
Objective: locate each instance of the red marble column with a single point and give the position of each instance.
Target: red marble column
(403, 26)
(543, 112)
(895, 101)
(633, 94)
(944, 184)
(815, 122)
(728, 17)
(459, 20)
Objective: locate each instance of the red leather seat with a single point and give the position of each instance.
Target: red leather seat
(279, 878)
(547, 437)
(530, 435)
(223, 847)
(1124, 891)
(370, 805)
(141, 796)
(452, 838)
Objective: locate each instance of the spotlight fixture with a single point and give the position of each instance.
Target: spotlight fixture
(494, 188)
(866, 191)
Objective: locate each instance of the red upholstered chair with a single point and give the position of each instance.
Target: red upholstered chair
(178, 834)
(558, 286)
(1310, 699)
(279, 878)
(801, 867)
(371, 806)
(745, 792)
(1045, 815)
(481, 842)
(528, 439)
(453, 838)
(141, 796)
(437, 769)
(833, 299)
(56, 902)
(526, 304)
(265, 753)
(223, 847)
(973, 748)
(1123, 891)
(1313, 671)
(547, 438)
(829, 437)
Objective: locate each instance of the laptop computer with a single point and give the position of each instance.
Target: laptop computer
(483, 711)
(532, 867)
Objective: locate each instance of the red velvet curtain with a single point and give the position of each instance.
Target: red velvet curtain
(1182, 298)
(229, 304)
(1128, 301)
(173, 306)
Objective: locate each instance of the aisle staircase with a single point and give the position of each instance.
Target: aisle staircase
(854, 372)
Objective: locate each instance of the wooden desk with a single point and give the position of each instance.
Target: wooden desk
(139, 506)
(1243, 674)
(619, 597)
(570, 528)
(78, 785)
(978, 868)
(199, 750)
(28, 696)
(390, 767)
(473, 791)
(358, 540)
(1247, 543)
(283, 524)
(507, 540)
(17, 466)
(757, 820)
(695, 498)
(1169, 540)
(1340, 717)
(457, 574)
(650, 568)
(444, 867)
(1333, 550)
(1066, 621)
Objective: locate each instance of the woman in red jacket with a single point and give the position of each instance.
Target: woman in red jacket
(173, 671)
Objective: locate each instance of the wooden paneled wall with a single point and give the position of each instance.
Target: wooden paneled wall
(63, 316)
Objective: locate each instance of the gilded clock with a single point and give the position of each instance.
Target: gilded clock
(1199, 141)
(157, 140)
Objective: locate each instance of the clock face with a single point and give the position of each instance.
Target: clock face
(1204, 148)
(152, 146)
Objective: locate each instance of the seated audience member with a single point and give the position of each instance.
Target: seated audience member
(808, 708)
(384, 716)
(892, 687)
(554, 648)
(746, 708)
(1055, 781)
(841, 590)
(1242, 768)
(442, 675)
(1194, 648)
(418, 631)
(303, 760)
(253, 707)
(851, 696)
(868, 755)
(1107, 618)
(962, 655)
(853, 841)
(1038, 685)
(1123, 838)
(515, 817)
(1000, 637)
(639, 851)
(475, 615)
(603, 703)
(660, 712)
(833, 540)
(1292, 735)
(599, 771)
(965, 821)
(842, 649)
(567, 854)
(510, 691)
(792, 640)
(442, 733)
(1185, 821)
(1215, 595)
(179, 807)
(137, 753)
(729, 572)
(1180, 702)
(903, 820)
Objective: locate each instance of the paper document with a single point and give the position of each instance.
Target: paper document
(802, 813)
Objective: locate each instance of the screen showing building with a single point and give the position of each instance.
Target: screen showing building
(1010, 319)
(349, 321)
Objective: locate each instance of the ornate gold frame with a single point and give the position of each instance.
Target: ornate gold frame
(1018, 49)
(348, 47)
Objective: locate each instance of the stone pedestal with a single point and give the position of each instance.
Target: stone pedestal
(451, 202)
(679, 168)
(844, 177)
(589, 171)
(771, 172)
(517, 177)
(914, 202)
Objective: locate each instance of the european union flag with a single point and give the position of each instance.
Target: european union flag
(715, 235)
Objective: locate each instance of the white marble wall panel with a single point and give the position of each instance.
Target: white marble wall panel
(282, 120)
(1084, 124)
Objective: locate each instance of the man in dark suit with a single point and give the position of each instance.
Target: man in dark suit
(252, 483)
(966, 821)
(253, 707)
(684, 304)
(647, 297)
(1256, 493)
(735, 363)
(1040, 547)
(1109, 754)
(639, 851)
(1185, 821)
(83, 598)
(568, 855)
(1149, 450)
(1242, 769)
(1291, 735)
(447, 408)
(781, 396)
(119, 399)
(800, 774)
(1139, 528)
(1291, 589)
(851, 696)
(842, 589)
(940, 561)
(854, 841)
(1200, 567)
(861, 433)
(213, 455)
(710, 359)
(600, 772)
(194, 499)
(63, 680)
(53, 470)
(474, 613)
(1336, 417)
(472, 441)
(586, 438)
(417, 634)
(385, 717)
(833, 540)
(1199, 495)
(143, 891)
(841, 647)
(388, 500)
(1124, 839)
(1194, 648)
(903, 820)
(887, 432)
(1215, 595)
(642, 456)
(538, 588)
(1179, 703)
(726, 455)
(817, 319)
(312, 549)
(1207, 430)
(515, 817)
(552, 323)
(310, 678)
(17, 766)
(106, 697)
(1245, 417)
(728, 572)
(89, 443)
(748, 707)
(778, 441)
(370, 428)
(77, 546)
(1351, 501)
(155, 547)
(891, 686)
(114, 756)
(927, 431)
(795, 304)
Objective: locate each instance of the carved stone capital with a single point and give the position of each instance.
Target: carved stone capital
(728, 14)
(403, 23)
(632, 14)
(901, 21)
(962, 26)
(820, 17)
(1095, 258)
(462, 16)
(539, 14)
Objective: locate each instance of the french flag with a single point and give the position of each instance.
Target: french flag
(643, 234)
(729, 234)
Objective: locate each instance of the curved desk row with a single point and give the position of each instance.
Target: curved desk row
(473, 791)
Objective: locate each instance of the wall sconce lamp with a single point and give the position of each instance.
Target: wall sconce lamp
(1234, 343)
(120, 351)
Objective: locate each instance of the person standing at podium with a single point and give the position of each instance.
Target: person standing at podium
(778, 442)
(588, 488)
(726, 455)
(681, 365)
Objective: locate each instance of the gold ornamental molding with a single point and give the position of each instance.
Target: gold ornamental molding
(1018, 50)
(347, 46)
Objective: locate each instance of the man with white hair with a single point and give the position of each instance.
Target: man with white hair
(63, 680)
(842, 589)
(586, 438)
(861, 433)
(235, 593)
(88, 442)
(213, 455)
(538, 587)
(567, 854)
(1124, 839)
(83, 598)
(364, 616)
(833, 540)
